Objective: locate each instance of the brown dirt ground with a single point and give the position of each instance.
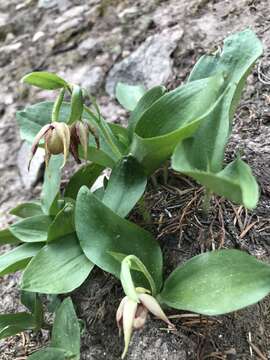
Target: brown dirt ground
(176, 218)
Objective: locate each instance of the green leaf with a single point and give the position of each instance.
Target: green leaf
(76, 104)
(235, 182)
(6, 237)
(172, 118)
(101, 231)
(129, 95)
(33, 303)
(63, 223)
(86, 175)
(48, 354)
(18, 258)
(60, 267)
(44, 80)
(125, 187)
(206, 149)
(217, 282)
(12, 324)
(51, 184)
(144, 103)
(66, 329)
(26, 210)
(33, 229)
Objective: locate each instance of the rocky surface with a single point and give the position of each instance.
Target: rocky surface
(97, 43)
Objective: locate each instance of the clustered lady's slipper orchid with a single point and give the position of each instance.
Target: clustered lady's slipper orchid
(59, 138)
(132, 315)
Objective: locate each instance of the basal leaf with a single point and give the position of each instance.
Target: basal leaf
(101, 231)
(26, 210)
(33, 303)
(18, 258)
(206, 148)
(235, 182)
(48, 354)
(129, 95)
(66, 329)
(6, 237)
(172, 118)
(44, 80)
(33, 229)
(125, 187)
(144, 103)
(217, 282)
(51, 184)
(59, 267)
(12, 324)
(62, 224)
(86, 175)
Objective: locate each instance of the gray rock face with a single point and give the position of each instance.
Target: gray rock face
(93, 79)
(47, 4)
(150, 64)
(29, 178)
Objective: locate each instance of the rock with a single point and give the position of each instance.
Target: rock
(29, 178)
(38, 35)
(61, 4)
(5, 25)
(155, 345)
(93, 79)
(70, 14)
(90, 45)
(150, 64)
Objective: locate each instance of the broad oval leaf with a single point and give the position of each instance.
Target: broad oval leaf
(51, 184)
(206, 149)
(144, 103)
(33, 229)
(26, 210)
(125, 186)
(62, 224)
(66, 329)
(18, 258)
(60, 267)
(217, 283)
(101, 231)
(86, 175)
(172, 118)
(12, 324)
(44, 80)
(6, 237)
(129, 95)
(48, 354)
(235, 181)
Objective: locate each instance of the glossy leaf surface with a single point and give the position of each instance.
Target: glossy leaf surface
(18, 258)
(172, 118)
(33, 229)
(6, 237)
(59, 267)
(44, 80)
(26, 210)
(217, 282)
(76, 104)
(66, 329)
(129, 95)
(48, 354)
(101, 231)
(86, 175)
(125, 186)
(62, 224)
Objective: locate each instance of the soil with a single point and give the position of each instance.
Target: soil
(174, 206)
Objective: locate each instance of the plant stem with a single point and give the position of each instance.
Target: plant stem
(142, 209)
(57, 105)
(106, 131)
(206, 202)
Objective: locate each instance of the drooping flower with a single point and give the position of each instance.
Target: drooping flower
(79, 135)
(132, 315)
(56, 137)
